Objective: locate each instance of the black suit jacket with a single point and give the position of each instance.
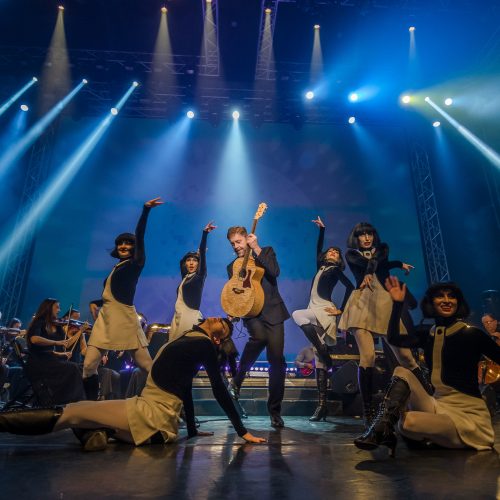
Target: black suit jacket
(274, 310)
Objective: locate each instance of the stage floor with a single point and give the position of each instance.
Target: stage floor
(305, 461)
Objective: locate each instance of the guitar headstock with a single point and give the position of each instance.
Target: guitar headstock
(261, 210)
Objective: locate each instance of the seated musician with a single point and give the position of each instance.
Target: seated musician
(45, 364)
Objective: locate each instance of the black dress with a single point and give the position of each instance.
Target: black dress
(61, 378)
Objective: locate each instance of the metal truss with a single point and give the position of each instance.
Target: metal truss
(428, 217)
(211, 45)
(18, 262)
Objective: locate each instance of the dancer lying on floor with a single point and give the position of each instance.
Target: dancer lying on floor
(152, 416)
(455, 416)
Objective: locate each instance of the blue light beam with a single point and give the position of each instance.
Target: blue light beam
(483, 148)
(56, 187)
(20, 147)
(7, 104)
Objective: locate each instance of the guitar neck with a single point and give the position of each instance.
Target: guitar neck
(247, 251)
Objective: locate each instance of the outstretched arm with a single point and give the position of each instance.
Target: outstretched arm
(202, 268)
(140, 230)
(321, 237)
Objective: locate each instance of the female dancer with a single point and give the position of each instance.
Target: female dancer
(152, 416)
(117, 327)
(318, 321)
(368, 309)
(194, 272)
(457, 416)
(45, 364)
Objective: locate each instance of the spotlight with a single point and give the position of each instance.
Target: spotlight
(236, 114)
(448, 101)
(406, 99)
(35, 79)
(114, 111)
(190, 114)
(24, 107)
(164, 10)
(85, 81)
(316, 26)
(352, 120)
(135, 84)
(411, 29)
(353, 97)
(209, 1)
(309, 95)
(61, 7)
(436, 124)
(427, 99)
(268, 11)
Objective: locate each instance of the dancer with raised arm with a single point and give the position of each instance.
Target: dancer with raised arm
(117, 327)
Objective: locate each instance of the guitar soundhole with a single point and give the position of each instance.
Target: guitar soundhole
(246, 281)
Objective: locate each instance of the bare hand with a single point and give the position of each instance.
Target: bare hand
(155, 202)
(104, 360)
(252, 241)
(318, 222)
(333, 311)
(407, 268)
(367, 282)
(308, 365)
(393, 286)
(204, 433)
(210, 227)
(63, 343)
(250, 438)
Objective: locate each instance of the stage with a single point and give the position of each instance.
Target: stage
(303, 461)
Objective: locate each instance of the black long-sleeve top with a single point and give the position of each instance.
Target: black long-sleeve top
(126, 276)
(461, 353)
(192, 289)
(379, 264)
(274, 310)
(331, 276)
(39, 329)
(174, 369)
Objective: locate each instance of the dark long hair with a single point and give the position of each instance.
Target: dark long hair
(358, 230)
(340, 263)
(43, 314)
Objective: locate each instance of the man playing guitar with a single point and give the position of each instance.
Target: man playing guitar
(266, 330)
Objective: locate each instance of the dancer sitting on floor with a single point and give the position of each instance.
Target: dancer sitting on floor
(152, 416)
(319, 320)
(456, 416)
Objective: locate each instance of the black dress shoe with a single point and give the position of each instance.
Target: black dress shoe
(277, 422)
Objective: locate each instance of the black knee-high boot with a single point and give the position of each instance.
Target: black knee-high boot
(365, 382)
(423, 380)
(382, 430)
(311, 332)
(321, 411)
(30, 422)
(91, 387)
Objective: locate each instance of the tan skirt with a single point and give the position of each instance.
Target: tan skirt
(368, 310)
(471, 418)
(155, 410)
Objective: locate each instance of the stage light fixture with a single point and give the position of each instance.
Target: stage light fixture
(190, 114)
(352, 120)
(411, 29)
(268, 11)
(35, 79)
(135, 84)
(164, 10)
(406, 99)
(427, 99)
(61, 7)
(316, 26)
(436, 124)
(309, 95)
(24, 107)
(236, 114)
(448, 101)
(353, 96)
(85, 81)
(114, 111)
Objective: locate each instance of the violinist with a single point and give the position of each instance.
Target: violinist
(45, 363)
(75, 330)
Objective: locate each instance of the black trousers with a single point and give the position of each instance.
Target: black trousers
(272, 337)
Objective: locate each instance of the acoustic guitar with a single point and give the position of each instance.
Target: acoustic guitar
(243, 296)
